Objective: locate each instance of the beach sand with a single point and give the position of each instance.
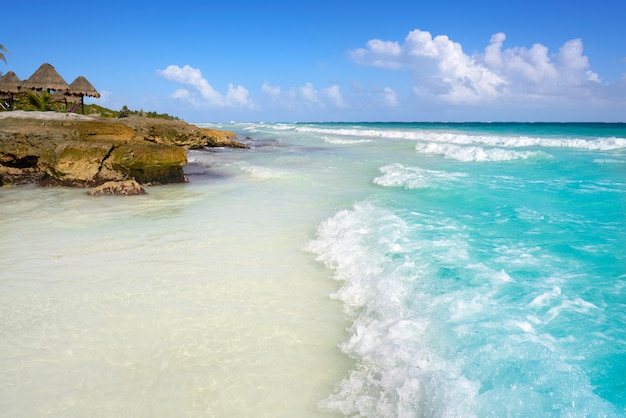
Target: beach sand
(187, 301)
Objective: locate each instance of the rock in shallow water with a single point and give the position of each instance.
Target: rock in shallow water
(118, 188)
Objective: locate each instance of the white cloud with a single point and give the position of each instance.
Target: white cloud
(306, 96)
(573, 64)
(202, 93)
(309, 93)
(443, 70)
(390, 97)
(180, 94)
(334, 95)
(237, 96)
(386, 47)
(270, 90)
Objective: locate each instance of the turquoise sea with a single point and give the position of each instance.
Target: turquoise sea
(334, 269)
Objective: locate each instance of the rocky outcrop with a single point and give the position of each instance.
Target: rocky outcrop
(118, 188)
(68, 150)
(148, 163)
(180, 133)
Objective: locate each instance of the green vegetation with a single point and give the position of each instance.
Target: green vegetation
(127, 112)
(44, 101)
(2, 57)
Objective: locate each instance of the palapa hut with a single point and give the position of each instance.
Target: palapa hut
(10, 85)
(81, 88)
(45, 78)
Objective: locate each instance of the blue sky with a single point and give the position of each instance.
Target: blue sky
(555, 60)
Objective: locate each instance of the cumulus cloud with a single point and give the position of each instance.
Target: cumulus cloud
(442, 69)
(272, 91)
(309, 93)
(199, 92)
(333, 93)
(306, 95)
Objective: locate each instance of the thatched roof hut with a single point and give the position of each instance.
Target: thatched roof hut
(81, 87)
(45, 78)
(10, 84)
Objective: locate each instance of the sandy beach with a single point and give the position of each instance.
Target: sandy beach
(331, 269)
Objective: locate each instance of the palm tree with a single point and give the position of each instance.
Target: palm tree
(3, 48)
(43, 102)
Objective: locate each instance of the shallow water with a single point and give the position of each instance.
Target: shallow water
(479, 270)
(194, 300)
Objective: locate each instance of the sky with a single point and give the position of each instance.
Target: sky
(273, 61)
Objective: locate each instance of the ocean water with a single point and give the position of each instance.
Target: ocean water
(334, 269)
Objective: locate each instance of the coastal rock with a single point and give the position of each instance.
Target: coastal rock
(16, 176)
(118, 188)
(74, 163)
(226, 139)
(180, 133)
(84, 151)
(149, 163)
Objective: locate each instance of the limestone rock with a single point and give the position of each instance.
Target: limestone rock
(118, 188)
(180, 133)
(149, 163)
(75, 163)
(71, 150)
(225, 139)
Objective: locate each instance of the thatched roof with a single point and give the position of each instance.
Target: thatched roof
(60, 96)
(82, 87)
(45, 78)
(9, 83)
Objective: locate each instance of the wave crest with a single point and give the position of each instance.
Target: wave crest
(459, 138)
(473, 153)
(399, 175)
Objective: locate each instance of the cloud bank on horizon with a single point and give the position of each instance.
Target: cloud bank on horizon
(441, 73)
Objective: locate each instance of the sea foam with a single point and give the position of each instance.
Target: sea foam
(415, 177)
(399, 372)
(473, 153)
(493, 140)
(434, 330)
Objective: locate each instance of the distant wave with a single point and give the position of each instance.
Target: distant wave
(282, 126)
(524, 141)
(339, 141)
(609, 161)
(472, 153)
(610, 143)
